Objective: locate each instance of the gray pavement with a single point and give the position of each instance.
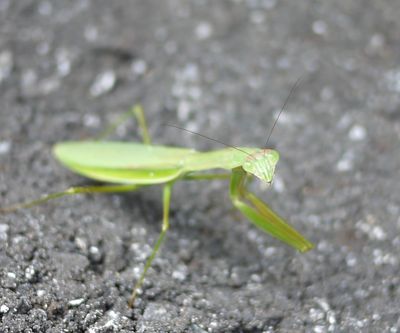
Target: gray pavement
(224, 69)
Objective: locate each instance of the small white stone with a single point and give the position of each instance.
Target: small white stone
(278, 184)
(81, 243)
(357, 133)
(91, 33)
(40, 293)
(94, 250)
(139, 67)
(184, 110)
(323, 304)
(319, 27)
(378, 233)
(351, 260)
(180, 273)
(4, 228)
(28, 78)
(270, 251)
(103, 83)
(76, 302)
(29, 272)
(191, 72)
(6, 64)
(4, 308)
(345, 163)
(257, 17)
(377, 41)
(327, 93)
(45, 8)
(204, 30)
(63, 58)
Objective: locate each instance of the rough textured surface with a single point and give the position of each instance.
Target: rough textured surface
(223, 68)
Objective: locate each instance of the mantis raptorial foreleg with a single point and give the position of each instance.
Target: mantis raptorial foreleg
(160, 240)
(137, 112)
(72, 191)
(261, 215)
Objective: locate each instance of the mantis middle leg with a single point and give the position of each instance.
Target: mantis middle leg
(165, 226)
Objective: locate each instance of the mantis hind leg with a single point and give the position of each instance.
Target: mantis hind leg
(262, 216)
(72, 191)
(160, 240)
(137, 112)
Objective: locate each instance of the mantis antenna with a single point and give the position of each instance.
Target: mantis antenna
(206, 137)
(292, 90)
(294, 87)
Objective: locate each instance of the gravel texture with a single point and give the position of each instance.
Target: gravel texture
(223, 68)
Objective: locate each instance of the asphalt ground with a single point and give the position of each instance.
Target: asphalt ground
(224, 69)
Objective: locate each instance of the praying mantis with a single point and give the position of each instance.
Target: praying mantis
(129, 166)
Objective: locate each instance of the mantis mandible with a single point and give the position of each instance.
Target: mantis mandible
(129, 166)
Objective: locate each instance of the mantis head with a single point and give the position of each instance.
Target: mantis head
(262, 164)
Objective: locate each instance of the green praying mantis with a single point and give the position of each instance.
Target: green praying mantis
(129, 166)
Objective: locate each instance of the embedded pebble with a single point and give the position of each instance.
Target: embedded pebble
(3, 231)
(28, 79)
(357, 133)
(64, 62)
(76, 302)
(141, 251)
(45, 8)
(204, 30)
(154, 310)
(376, 43)
(4, 308)
(103, 83)
(180, 273)
(345, 163)
(257, 17)
(95, 255)
(139, 67)
(278, 184)
(6, 64)
(40, 293)
(351, 260)
(112, 321)
(91, 33)
(81, 243)
(384, 258)
(371, 229)
(30, 273)
(319, 27)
